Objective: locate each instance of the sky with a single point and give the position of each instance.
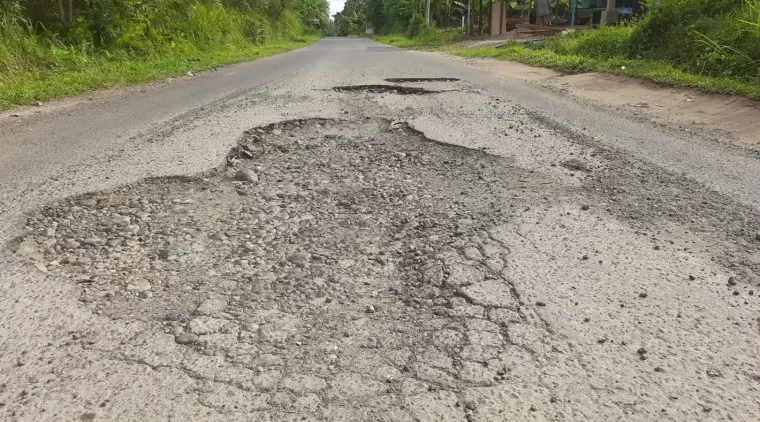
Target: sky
(336, 6)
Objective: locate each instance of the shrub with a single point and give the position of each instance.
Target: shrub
(703, 36)
(416, 25)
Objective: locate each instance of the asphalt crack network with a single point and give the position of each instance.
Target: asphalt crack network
(328, 265)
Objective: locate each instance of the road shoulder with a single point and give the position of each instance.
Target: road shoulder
(736, 118)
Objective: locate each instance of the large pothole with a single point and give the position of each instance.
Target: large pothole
(382, 89)
(330, 264)
(413, 80)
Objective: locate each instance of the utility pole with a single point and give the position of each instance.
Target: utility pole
(427, 12)
(572, 18)
(469, 17)
(480, 18)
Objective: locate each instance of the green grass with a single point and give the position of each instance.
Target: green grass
(654, 70)
(594, 51)
(101, 71)
(428, 38)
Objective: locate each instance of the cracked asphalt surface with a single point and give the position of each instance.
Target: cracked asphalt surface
(263, 243)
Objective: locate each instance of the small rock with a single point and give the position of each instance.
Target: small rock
(691, 277)
(186, 338)
(299, 257)
(470, 405)
(585, 207)
(118, 241)
(26, 249)
(246, 175)
(189, 73)
(277, 132)
(145, 294)
(732, 281)
(658, 369)
(643, 295)
(641, 351)
(370, 309)
(473, 253)
(714, 373)
(373, 343)
(575, 164)
(121, 220)
(93, 241)
(399, 155)
(50, 232)
(757, 236)
(211, 306)
(541, 304)
(71, 244)
(38, 104)
(138, 285)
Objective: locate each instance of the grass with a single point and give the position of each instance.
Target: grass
(102, 71)
(654, 70)
(428, 38)
(593, 51)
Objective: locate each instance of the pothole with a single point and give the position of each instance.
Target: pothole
(408, 80)
(282, 259)
(382, 89)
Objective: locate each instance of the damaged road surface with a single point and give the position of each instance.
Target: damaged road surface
(328, 248)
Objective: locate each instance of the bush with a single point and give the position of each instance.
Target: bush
(256, 28)
(703, 36)
(416, 25)
(607, 42)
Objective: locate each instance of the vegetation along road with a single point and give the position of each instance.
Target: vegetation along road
(355, 232)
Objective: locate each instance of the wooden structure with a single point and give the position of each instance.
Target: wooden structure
(498, 24)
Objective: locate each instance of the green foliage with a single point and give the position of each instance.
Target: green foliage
(397, 16)
(715, 37)
(606, 42)
(656, 70)
(416, 25)
(428, 37)
(36, 38)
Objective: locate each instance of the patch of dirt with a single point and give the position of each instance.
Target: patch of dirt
(733, 115)
(383, 89)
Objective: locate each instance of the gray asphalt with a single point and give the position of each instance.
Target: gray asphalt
(648, 184)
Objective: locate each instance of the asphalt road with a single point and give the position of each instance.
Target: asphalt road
(570, 262)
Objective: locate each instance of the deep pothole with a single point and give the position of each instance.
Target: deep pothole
(382, 89)
(411, 80)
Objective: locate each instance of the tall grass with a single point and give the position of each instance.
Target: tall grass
(752, 15)
(711, 37)
(20, 47)
(124, 46)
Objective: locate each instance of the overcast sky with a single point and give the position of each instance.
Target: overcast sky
(336, 6)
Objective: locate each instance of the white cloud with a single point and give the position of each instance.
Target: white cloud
(336, 6)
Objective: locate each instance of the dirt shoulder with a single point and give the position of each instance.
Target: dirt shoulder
(725, 114)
